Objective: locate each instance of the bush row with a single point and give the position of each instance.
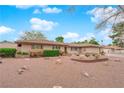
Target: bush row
(51, 53)
(7, 52)
(11, 52)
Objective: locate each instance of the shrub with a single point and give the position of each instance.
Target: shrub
(22, 53)
(87, 54)
(25, 53)
(19, 52)
(36, 54)
(51, 53)
(102, 53)
(94, 54)
(8, 52)
(97, 56)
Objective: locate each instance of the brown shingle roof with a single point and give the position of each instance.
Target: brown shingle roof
(47, 42)
(83, 45)
(113, 47)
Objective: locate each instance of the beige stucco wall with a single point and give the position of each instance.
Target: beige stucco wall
(27, 48)
(69, 51)
(115, 51)
(24, 47)
(84, 50)
(90, 50)
(47, 47)
(107, 51)
(50, 47)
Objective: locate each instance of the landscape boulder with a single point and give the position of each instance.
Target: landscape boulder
(20, 71)
(58, 61)
(86, 74)
(1, 62)
(24, 67)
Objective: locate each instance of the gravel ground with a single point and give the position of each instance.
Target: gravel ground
(48, 73)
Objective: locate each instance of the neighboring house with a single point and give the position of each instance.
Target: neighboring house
(83, 48)
(113, 50)
(29, 45)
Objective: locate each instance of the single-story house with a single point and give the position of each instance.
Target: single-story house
(113, 50)
(83, 48)
(70, 48)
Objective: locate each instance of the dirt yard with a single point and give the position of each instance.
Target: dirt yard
(61, 72)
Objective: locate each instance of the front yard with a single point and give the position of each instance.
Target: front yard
(61, 72)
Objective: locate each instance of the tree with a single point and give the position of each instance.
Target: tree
(59, 39)
(113, 16)
(93, 41)
(5, 41)
(32, 35)
(118, 34)
(109, 44)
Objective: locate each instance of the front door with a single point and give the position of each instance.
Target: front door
(65, 50)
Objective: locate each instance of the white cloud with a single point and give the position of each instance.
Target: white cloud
(30, 6)
(71, 35)
(99, 14)
(105, 34)
(37, 11)
(43, 25)
(21, 33)
(4, 29)
(52, 10)
(88, 36)
(24, 6)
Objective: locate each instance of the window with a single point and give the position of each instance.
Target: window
(19, 45)
(55, 47)
(74, 49)
(37, 46)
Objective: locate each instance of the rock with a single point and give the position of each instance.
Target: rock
(1, 62)
(117, 60)
(57, 86)
(58, 61)
(24, 67)
(27, 59)
(106, 63)
(20, 71)
(86, 74)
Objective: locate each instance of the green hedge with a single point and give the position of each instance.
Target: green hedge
(51, 53)
(7, 52)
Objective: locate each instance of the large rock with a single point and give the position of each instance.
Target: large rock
(24, 68)
(20, 71)
(117, 60)
(1, 62)
(27, 59)
(86, 74)
(106, 64)
(58, 61)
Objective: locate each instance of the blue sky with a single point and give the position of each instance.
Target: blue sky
(52, 21)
